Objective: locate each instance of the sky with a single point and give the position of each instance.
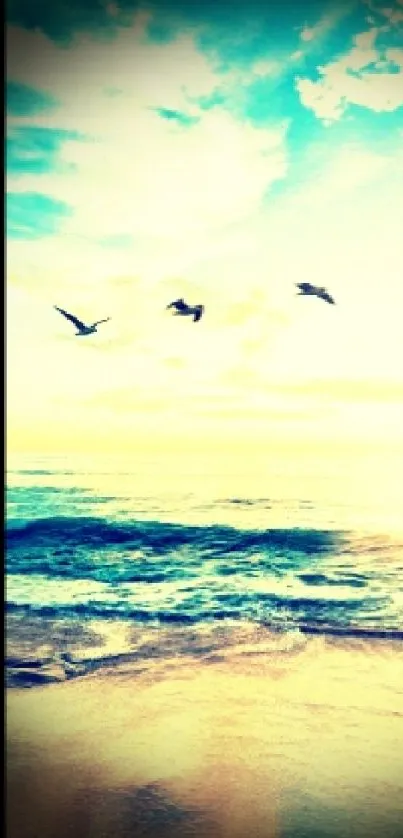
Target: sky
(221, 152)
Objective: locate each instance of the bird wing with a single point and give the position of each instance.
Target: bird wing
(304, 286)
(72, 318)
(327, 297)
(97, 322)
(198, 312)
(178, 304)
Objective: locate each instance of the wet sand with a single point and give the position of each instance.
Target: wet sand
(304, 743)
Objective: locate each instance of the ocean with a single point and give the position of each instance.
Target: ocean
(204, 644)
(292, 543)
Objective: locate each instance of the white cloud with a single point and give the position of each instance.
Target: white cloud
(395, 55)
(352, 166)
(327, 22)
(394, 16)
(166, 180)
(192, 198)
(143, 175)
(255, 330)
(147, 74)
(265, 68)
(307, 34)
(348, 81)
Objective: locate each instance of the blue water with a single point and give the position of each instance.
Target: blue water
(148, 542)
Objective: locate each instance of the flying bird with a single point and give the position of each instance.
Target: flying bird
(314, 291)
(185, 310)
(82, 328)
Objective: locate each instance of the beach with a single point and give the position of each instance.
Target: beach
(217, 663)
(253, 733)
(203, 488)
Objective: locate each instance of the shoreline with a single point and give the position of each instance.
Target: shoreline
(298, 743)
(43, 650)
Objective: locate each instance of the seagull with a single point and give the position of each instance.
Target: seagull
(184, 309)
(314, 291)
(81, 327)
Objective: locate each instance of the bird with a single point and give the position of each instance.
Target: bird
(314, 291)
(185, 310)
(82, 328)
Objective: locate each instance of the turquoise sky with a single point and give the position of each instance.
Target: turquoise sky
(221, 152)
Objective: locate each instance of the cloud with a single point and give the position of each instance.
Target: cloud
(137, 173)
(239, 36)
(176, 116)
(144, 74)
(172, 182)
(153, 177)
(232, 33)
(31, 215)
(36, 150)
(326, 23)
(359, 77)
(394, 15)
(23, 100)
(60, 20)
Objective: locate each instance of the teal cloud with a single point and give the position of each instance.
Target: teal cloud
(237, 33)
(35, 150)
(23, 100)
(33, 215)
(235, 30)
(233, 33)
(176, 116)
(61, 20)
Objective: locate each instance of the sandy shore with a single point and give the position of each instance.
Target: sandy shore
(303, 744)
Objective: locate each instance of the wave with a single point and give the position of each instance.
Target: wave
(145, 570)
(137, 550)
(165, 536)
(274, 599)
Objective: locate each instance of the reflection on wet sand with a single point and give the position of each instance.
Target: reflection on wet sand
(305, 744)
